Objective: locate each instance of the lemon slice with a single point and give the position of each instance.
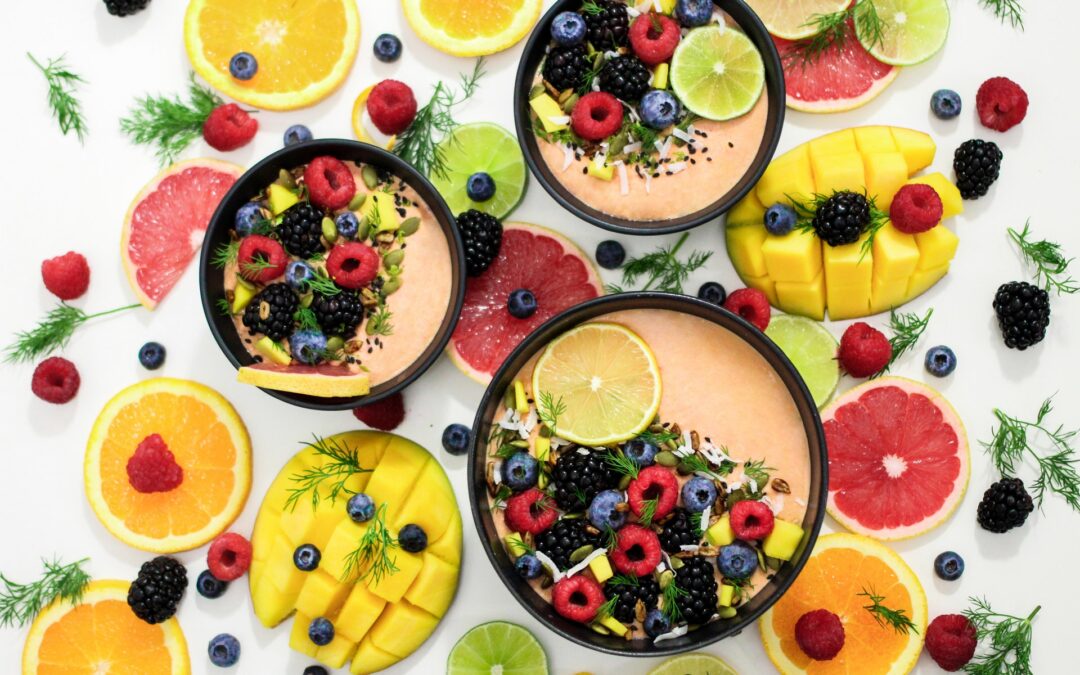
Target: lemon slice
(794, 19)
(603, 380)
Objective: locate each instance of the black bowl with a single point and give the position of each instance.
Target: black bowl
(478, 495)
(211, 281)
(774, 85)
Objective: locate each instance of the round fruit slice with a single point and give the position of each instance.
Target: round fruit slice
(912, 31)
(794, 19)
(486, 333)
(101, 634)
(358, 110)
(898, 458)
(717, 73)
(165, 224)
(693, 664)
(473, 28)
(481, 147)
(841, 568)
(604, 380)
(324, 380)
(813, 351)
(207, 440)
(304, 50)
(497, 647)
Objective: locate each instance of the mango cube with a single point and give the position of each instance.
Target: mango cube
(381, 212)
(280, 198)
(886, 173)
(430, 486)
(660, 76)
(602, 172)
(796, 256)
(359, 613)
(790, 174)
(600, 567)
(937, 247)
(720, 532)
(614, 625)
(521, 401)
(839, 172)
(886, 294)
(321, 595)
(749, 211)
(847, 301)
(337, 653)
(951, 201)
(765, 285)
(341, 543)
(806, 298)
(837, 143)
(401, 628)
(272, 351)
(923, 280)
(727, 593)
(370, 659)
(918, 148)
(434, 587)
(448, 546)
(549, 113)
(542, 448)
(302, 527)
(846, 265)
(515, 545)
(783, 541)
(895, 253)
(393, 478)
(298, 637)
(744, 249)
(242, 295)
(392, 587)
(873, 140)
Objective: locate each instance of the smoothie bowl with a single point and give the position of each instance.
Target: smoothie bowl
(648, 473)
(646, 122)
(332, 274)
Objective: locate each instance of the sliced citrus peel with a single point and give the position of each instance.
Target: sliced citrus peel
(324, 381)
(359, 131)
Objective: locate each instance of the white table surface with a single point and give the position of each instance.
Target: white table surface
(61, 196)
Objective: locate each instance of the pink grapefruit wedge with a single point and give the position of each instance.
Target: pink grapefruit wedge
(165, 224)
(898, 458)
(558, 273)
(323, 380)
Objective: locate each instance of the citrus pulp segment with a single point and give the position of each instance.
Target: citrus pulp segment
(717, 73)
(794, 19)
(473, 28)
(812, 349)
(693, 664)
(497, 647)
(913, 31)
(481, 147)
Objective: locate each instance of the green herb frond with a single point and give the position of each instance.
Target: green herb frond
(758, 471)
(224, 307)
(549, 409)
(340, 463)
(373, 556)
(907, 329)
(52, 333)
(1005, 641)
(305, 316)
(621, 464)
(63, 84)
(608, 608)
(648, 511)
(501, 495)
(168, 123)
(658, 438)
(670, 599)
(225, 254)
(379, 323)
(835, 29)
(663, 269)
(322, 284)
(1049, 261)
(20, 603)
(1009, 11)
(883, 615)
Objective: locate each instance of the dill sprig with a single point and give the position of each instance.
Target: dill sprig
(549, 409)
(62, 86)
(662, 269)
(835, 29)
(907, 329)
(658, 438)
(340, 463)
(621, 464)
(670, 596)
(225, 254)
(590, 76)
(648, 511)
(1009, 11)
(501, 495)
(1009, 648)
(170, 124)
(224, 307)
(52, 333)
(373, 556)
(897, 618)
(305, 316)
(624, 580)
(20, 603)
(1049, 261)
(698, 464)
(322, 284)
(608, 608)
(379, 322)
(697, 519)
(758, 472)
(1010, 442)
(805, 211)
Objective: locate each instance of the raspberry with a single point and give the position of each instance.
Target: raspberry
(66, 276)
(864, 350)
(391, 106)
(1002, 103)
(330, 183)
(153, 467)
(229, 127)
(916, 208)
(229, 557)
(577, 598)
(751, 521)
(655, 482)
(596, 116)
(384, 415)
(56, 380)
(261, 259)
(353, 265)
(654, 38)
(530, 512)
(951, 641)
(752, 305)
(637, 551)
(820, 634)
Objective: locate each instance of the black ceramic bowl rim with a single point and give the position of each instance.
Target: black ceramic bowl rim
(774, 85)
(264, 172)
(478, 495)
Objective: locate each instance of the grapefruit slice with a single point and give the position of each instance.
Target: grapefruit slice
(558, 273)
(324, 380)
(898, 458)
(165, 224)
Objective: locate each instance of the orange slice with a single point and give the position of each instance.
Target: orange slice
(102, 635)
(472, 28)
(208, 440)
(304, 49)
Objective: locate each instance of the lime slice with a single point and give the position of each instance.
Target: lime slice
(911, 30)
(497, 647)
(693, 664)
(813, 351)
(794, 19)
(602, 380)
(481, 147)
(717, 73)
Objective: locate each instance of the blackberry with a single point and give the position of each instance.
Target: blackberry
(1005, 505)
(1023, 313)
(646, 590)
(271, 311)
(842, 218)
(157, 590)
(697, 579)
(678, 531)
(577, 478)
(338, 314)
(125, 7)
(566, 67)
(626, 77)
(563, 538)
(977, 164)
(301, 230)
(482, 236)
(607, 26)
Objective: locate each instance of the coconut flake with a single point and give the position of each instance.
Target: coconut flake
(648, 183)
(657, 6)
(584, 563)
(683, 136)
(557, 442)
(631, 148)
(549, 564)
(676, 632)
(568, 156)
(624, 180)
(633, 12)
(800, 502)
(665, 148)
(676, 167)
(559, 119)
(583, 451)
(753, 484)
(778, 505)
(689, 548)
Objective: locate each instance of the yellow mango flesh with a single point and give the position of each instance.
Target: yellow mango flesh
(796, 256)
(789, 175)
(806, 298)
(937, 246)
(783, 541)
(547, 109)
(836, 173)
(744, 248)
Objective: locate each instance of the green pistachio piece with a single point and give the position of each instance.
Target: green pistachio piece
(364, 230)
(395, 257)
(667, 458)
(357, 201)
(536, 91)
(334, 344)
(569, 103)
(370, 176)
(624, 482)
(409, 226)
(329, 230)
(391, 286)
(726, 612)
(579, 553)
(306, 299)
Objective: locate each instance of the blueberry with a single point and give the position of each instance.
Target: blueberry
(224, 650)
(387, 48)
(946, 104)
(412, 538)
(692, 13)
(306, 557)
(347, 224)
(210, 586)
(656, 623)
(297, 274)
(361, 508)
(949, 566)
(659, 109)
(321, 631)
(568, 29)
(713, 292)
(940, 361)
(248, 217)
(640, 452)
(308, 346)
(480, 187)
(521, 303)
(297, 133)
(316, 670)
(698, 493)
(610, 254)
(604, 510)
(243, 66)
(152, 355)
(737, 560)
(456, 439)
(780, 219)
(520, 471)
(528, 566)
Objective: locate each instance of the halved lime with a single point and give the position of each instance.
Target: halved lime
(481, 147)
(717, 73)
(694, 664)
(813, 351)
(794, 19)
(497, 647)
(911, 30)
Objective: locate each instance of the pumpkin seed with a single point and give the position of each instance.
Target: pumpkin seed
(329, 230)
(409, 226)
(285, 179)
(676, 563)
(542, 481)
(536, 91)
(357, 201)
(569, 103)
(579, 553)
(334, 344)
(684, 469)
(395, 257)
(306, 299)
(509, 400)
(726, 612)
(391, 286)
(624, 482)
(667, 458)
(666, 577)
(370, 176)
(363, 231)
(519, 443)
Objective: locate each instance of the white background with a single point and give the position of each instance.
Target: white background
(58, 195)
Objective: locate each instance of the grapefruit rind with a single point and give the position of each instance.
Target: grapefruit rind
(844, 105)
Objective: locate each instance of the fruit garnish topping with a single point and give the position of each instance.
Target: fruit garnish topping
(481, 234)
(373, 558)
(661, 270)
(391, 106)
(153, 468)
(820, 634)
(229, 127)
(654, 38)
(864, 350)
(1002, 103)
(52, 333)
(1048, 259)
(340, 462)
(385, 415)
(841, 218)
(63, 84)
(752, 305)
(832, 30)
(596, 116)
(20, 603)
(66, 276)
(897, 619)
(977, 164)
(169, 124)
(56, 380)
(158, 589)
(577, 598)
(916, 208)
(229, 556)
(329, 182)
(1006, 640)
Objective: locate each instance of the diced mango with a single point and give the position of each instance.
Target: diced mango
(298, 638)
(837, 143)
(918, 148)
(280, 198)
(749, 211)
(371, 659)
(337, 653)
(301, 527)
(744, 249)
(359, 613)
(951, 201)
(431, 487)
(381, 212)
(886, 294)
(895, 253)
(783, 541)
(337, 549)
(765, 285)
(787, 175)
(847, 266)
(542, 448)
(242, 295)
(839, 172)
(448, 546)
(937, 246)
(871, 140)
(796, 256)
(720, 532)
(923, 280)
(392, 587)
(727, 594)
(434, 587)
(321, 595)
(515, 545)
(521, 400)
(601, 568)
(847, 301)
(549, 113)
(401, 629)
(602, 172)
(272, 351)
(614, 625)
(806, 298)
(886, 173)
(660, 76)
(393, 478)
